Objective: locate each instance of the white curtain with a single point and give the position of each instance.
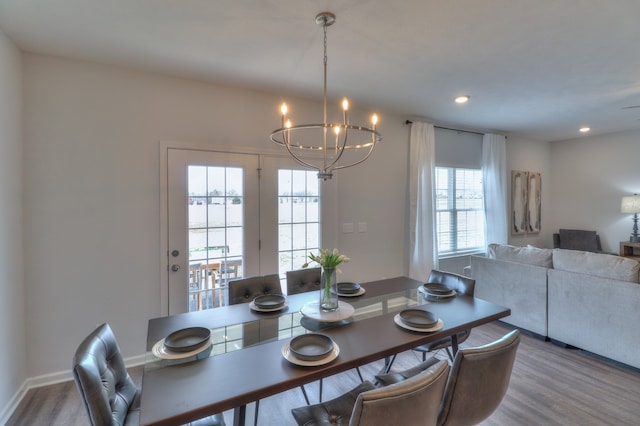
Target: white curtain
(424, 254)
(494, 178)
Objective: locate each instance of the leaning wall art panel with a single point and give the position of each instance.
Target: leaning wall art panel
(526, 202)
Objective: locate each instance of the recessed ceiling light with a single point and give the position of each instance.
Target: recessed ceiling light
(462, 99)
(584, 129)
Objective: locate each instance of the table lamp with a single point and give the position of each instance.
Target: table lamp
(631, 204)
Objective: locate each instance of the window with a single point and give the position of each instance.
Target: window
(215, 232)
(298, 218)
(459, 211)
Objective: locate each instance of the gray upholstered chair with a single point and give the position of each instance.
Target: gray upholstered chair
(303, 280)
(399, 376)
(110, 396)
(478, 381)
(246, 289)
(414, 401)
(577, 239)
(108, 393)
(462, 285)
(459, 283)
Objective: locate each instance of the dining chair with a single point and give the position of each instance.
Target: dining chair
(413, 401)
(228, 267)
(210, 285)
(462, 285)
(244, 290)
(477, 383)
(303, 280)
(108, 393)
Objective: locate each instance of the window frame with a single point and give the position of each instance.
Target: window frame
(453, 209)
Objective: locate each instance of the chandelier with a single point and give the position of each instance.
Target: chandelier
(328, 140)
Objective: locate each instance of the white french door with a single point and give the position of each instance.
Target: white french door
(290, 214)
(213, 227)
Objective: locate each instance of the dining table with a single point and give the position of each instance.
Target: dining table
(248, 358)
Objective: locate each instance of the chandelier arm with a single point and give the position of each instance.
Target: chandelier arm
(286, 140)
(296, 158)
(341, 150)
(375, 138)
(300, 161)
(344, 166)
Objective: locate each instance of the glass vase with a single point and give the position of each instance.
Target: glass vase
(328, 290)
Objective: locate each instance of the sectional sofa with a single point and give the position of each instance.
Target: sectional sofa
(582, 299)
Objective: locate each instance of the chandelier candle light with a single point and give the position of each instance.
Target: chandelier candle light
(330, 138)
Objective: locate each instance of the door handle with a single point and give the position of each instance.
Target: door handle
(175, 267)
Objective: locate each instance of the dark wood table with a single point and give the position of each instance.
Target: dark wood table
(246, 363)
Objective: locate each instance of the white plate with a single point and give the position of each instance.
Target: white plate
(160, 351)
(288, 355)
(360, 292)
(253, 307)
(436, 327)
(312, 310)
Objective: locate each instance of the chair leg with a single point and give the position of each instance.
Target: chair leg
(449, 353)
(359, 374)
(304, 392)
(388, 362)
(320, 399)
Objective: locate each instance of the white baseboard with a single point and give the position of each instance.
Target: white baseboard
(13, 404)
(50, 379)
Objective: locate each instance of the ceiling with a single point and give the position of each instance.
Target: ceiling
(540, 69)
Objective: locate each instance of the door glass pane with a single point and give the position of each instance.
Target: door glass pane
(298, 218)
(216, 232)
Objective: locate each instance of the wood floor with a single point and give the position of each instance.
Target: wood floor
(550, 385)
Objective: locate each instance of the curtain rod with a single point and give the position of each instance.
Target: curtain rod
(449, 128)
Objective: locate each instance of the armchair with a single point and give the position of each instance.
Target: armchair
(575, 239)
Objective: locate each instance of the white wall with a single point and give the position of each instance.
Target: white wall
(590, 176)
(533, 156)
(12, 330)
(92, 222)
(92, 193)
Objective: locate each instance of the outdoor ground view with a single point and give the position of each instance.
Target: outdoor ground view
(216, 228)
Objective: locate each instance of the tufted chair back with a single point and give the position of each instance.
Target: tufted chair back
(108, 393)
(456, 282)
(303, 280)
(478, 381)
(414, 401)
(246, 289)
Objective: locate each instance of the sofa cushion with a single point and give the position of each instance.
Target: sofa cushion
(596, 264)
(528, 255)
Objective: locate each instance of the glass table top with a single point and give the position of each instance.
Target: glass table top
(284, 326)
